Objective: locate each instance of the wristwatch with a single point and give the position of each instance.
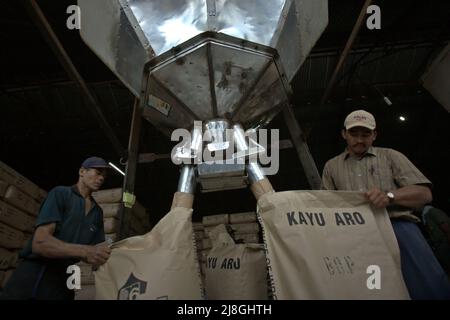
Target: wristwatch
(391, 196)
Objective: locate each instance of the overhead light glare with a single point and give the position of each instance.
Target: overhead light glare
(116, 168)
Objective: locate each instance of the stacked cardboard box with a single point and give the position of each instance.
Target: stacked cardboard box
(243, 227)
(110, 201)
(19, 206)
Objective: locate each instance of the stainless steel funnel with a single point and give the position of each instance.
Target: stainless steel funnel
(219, 61)
(204, 59)
(214, 76)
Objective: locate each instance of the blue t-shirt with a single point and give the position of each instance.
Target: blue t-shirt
(66, 207)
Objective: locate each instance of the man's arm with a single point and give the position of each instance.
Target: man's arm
(46, 245)
(415, 196)
(413, 191)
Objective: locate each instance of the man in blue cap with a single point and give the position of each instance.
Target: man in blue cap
(69, 228)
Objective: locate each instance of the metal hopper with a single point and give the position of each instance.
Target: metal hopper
(227, 63)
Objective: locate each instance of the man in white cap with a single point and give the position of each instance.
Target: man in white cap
(389, 180)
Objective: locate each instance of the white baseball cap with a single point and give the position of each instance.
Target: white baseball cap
(360, 118)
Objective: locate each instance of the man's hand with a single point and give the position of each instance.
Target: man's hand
(97, 255)
(378, 198)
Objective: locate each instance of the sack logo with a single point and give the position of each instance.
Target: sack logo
(132, 289)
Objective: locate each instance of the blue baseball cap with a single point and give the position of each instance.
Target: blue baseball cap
(94, 162)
